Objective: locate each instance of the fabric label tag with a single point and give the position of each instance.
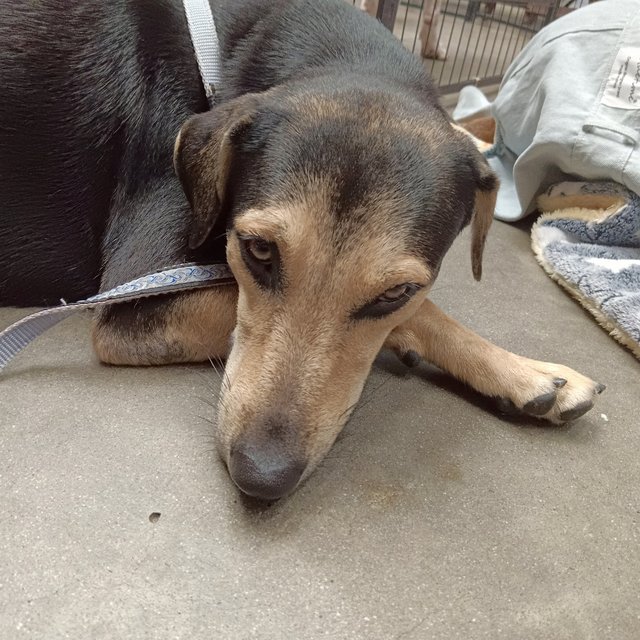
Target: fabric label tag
(623, 86)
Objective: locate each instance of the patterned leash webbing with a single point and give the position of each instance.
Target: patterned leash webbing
(20, 334)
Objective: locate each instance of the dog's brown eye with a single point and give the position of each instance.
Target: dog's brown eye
(259, 249)
(391, 300)
(262, 259)
(396, 293)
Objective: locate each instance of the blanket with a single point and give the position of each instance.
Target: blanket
(588, 240)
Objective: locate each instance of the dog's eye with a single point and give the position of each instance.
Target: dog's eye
(262, 259)
(395, 293)
(391, 300)
(259, 249)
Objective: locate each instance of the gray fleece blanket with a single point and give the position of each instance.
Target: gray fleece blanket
(588, 240)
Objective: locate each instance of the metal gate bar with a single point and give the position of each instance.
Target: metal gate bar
(482, 38)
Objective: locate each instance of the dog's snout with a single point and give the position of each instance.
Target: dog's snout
(267, 470)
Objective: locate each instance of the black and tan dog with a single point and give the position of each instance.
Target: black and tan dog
(328, 176)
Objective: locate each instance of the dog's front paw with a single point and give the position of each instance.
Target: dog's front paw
(552, 392)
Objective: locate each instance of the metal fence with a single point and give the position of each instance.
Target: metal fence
(466, 41)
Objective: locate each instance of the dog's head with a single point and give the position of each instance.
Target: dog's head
(339, 206)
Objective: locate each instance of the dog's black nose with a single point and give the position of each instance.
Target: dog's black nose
(266, 471)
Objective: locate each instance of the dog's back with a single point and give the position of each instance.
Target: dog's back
(81, 85)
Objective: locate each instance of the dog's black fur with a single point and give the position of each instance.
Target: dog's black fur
(95, 93)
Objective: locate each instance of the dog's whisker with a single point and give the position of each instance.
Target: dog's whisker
(363, 402)
(348, 409)
(206, 401)
(222, 235)
(206, 437)
(209, 382)
(221, 370)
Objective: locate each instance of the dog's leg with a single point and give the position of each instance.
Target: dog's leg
(370, 6)
(147, 231)
(430, 31)
(187, 327)
(542, 389)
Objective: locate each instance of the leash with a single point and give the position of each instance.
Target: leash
(182, 278)
(205, 44)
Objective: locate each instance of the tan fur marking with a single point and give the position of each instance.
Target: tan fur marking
(197, 328)
(375, 118)
(176, 149)
(481, 145)
(483, 129)
(202, 322)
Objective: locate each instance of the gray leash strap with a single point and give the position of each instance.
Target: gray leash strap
(20, 334)
(205, 44)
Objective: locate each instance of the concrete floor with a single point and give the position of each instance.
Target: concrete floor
(431, 518)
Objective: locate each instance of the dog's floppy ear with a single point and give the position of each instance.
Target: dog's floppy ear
(203, 156)
(486, 183)
(484, 205)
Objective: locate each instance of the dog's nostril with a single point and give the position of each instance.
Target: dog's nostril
(268, 472)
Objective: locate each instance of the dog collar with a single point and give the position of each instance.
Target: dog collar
(204, 38)
(185, 277)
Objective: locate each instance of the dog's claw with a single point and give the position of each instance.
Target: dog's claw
(559, 382)
(540, 405)
(600, 388)
(577, 411)
(410, 358)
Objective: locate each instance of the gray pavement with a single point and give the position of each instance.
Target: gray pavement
(432, 517)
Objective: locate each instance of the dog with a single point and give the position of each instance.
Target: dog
(330, 179)
(429, 29)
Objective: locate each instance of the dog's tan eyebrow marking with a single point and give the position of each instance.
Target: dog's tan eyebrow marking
(411, 270)
(267, 223)
(268, 215)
